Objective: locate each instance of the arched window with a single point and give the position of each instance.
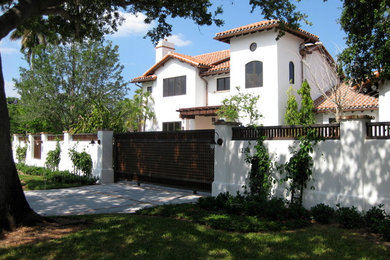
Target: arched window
(254, 74)
(291, 74)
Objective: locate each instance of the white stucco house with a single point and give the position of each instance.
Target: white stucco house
(188, 90)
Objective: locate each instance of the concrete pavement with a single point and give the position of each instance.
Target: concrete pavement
(121, 197)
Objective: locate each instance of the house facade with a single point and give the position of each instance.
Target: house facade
(188, 90)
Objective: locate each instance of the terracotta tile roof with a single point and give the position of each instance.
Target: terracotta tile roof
(261, 26)
(213, 58)
(144, 78)
(354, 101)
(210, 63)
(223, 67)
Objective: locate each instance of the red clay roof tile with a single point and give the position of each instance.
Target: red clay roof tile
(261, 26)
(353, 100)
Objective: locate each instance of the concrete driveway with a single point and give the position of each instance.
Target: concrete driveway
(121, 197)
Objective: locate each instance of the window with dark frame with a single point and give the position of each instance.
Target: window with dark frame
(223, 84)
(171, 126)
(174, 86)
(149, 89)
(291, 73)
(254, 74)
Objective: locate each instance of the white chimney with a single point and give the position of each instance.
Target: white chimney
(163, 48)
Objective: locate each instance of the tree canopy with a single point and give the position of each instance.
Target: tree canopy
(64, 83)
(367, 25)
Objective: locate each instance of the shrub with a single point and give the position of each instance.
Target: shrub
(322, 213)
(297, 211)
(82, 162)
(56, 176)
(21, 154)
(207, 203)
(385, 229)
(375, 218)
(33, 170)
(274, 208)
(53, 158)
(349, 217)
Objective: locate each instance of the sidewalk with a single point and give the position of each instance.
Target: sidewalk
(121, 197)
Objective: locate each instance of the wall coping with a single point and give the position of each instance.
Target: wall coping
(223, 122)
(352, 117)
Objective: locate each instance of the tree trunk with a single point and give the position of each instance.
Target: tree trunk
(14, 208)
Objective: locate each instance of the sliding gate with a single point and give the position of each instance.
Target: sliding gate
(181, 158)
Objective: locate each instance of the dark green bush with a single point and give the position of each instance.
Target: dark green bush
(67, 177)
(274, 208)
(322, 213)
(207, 203)
(56, 176)
(375, 217)
(33, 170)
(349, 217)
(297, 211)
(385, 229)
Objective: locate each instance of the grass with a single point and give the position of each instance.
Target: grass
(146, 237)
(131, 236)
(36, 182)
(221, 220)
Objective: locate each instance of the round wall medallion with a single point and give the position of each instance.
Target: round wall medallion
(253, 46)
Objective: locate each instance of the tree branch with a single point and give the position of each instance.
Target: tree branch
(22, 11)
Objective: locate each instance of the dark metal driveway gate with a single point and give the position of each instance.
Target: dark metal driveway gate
(181, 158)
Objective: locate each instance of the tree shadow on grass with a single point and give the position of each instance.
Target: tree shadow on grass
(132, 236)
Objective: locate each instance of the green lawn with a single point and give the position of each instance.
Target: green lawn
(36, 182)
(129, 236)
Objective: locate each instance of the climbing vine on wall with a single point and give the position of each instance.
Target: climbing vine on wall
(82, 162)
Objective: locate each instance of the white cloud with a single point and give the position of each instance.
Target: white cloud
(8, 47)
(133, 25)
(10, 91)
(178, 40)
(7, 50)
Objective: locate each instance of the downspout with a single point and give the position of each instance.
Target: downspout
(207, 89)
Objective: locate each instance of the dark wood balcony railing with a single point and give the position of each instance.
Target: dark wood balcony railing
(329, 131)
(378, 130)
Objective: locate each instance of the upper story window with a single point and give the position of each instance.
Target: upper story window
(291, 75)
(171, 126)
(223, 84)
(174, 86)
(254, 74)
(149, 89)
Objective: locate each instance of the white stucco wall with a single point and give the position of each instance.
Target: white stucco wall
(165, 107)
(384, 102)
(350, 171)
(216, 97)
(318, 73)
(46, 146)
(266, 52)
(288, 50)
(100, 152)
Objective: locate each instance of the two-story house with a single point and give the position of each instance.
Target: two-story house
(188, 90)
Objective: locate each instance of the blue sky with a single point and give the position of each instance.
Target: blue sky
(137, 54)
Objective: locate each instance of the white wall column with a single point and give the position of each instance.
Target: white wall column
(229, 175)
(104, 169)
(352, 137)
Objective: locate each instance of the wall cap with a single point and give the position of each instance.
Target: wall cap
(352, 117)
(223, 122)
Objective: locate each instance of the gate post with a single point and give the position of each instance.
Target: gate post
(104, 169)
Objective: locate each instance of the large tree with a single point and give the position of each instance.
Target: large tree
(65, 81)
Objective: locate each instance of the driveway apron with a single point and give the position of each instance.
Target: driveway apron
(121, 197)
